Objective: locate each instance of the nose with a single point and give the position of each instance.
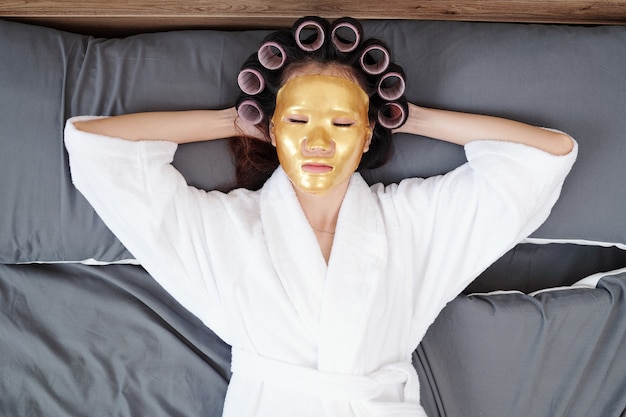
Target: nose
(318, 142)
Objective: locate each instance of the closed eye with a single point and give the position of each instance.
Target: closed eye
(296, 118)
(344, 122)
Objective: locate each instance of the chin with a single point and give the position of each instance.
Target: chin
(317, 189)
(318, 184)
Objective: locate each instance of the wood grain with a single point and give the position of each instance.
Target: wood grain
(146, 15)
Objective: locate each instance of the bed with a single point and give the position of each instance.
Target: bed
(85, 331)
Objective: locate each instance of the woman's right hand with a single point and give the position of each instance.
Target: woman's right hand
(246, 129)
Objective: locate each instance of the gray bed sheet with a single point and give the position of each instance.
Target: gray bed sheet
(99, 341)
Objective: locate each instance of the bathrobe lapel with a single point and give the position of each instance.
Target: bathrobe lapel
(293, 249)
(332, 300)
(356, 267)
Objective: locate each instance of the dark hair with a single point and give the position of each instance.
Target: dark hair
(315, 40)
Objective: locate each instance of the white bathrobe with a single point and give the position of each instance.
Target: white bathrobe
(311, 339)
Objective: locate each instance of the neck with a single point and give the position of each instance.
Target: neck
(322, 210)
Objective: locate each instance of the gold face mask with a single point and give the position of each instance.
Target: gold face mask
(320, 129)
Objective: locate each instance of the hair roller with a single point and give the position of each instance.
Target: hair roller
(392, 115)
(250, 111)
(272, 55)
(310, 33)
(346, 34)
(392, 84)
(251, 81)
(375, 58)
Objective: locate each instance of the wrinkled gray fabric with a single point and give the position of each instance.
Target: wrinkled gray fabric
(529, 267)
(103, 341)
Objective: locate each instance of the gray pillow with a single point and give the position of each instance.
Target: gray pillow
(570, 78)
(566, 77)
(48, 76)
(558, 353)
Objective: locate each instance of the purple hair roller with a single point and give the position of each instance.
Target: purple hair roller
(375, 59)
(391, 86)
(272, 55)
(250, 112)
(346, 37)
(317, 42)
(391, 115)
(250, 81)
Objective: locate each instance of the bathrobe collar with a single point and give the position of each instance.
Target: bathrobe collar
(330, 300)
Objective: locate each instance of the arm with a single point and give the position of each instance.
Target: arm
(463, 221)
(462, 128)
(177, 126)
(170, 227)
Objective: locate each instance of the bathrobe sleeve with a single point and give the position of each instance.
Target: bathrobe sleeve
(161, 220)
(456, 225)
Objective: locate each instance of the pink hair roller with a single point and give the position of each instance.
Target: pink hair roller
(391, 115)
(250, 111)
(250, 81)
(391, 86)
(346, 37)
(375, 59)
(272, 55)
(319, 36)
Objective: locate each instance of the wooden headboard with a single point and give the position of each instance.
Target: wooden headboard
(123, 17)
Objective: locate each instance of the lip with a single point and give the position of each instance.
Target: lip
(316, 168)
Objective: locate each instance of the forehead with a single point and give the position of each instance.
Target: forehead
(321, 92)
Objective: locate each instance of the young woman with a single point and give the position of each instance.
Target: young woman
(322, 285)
